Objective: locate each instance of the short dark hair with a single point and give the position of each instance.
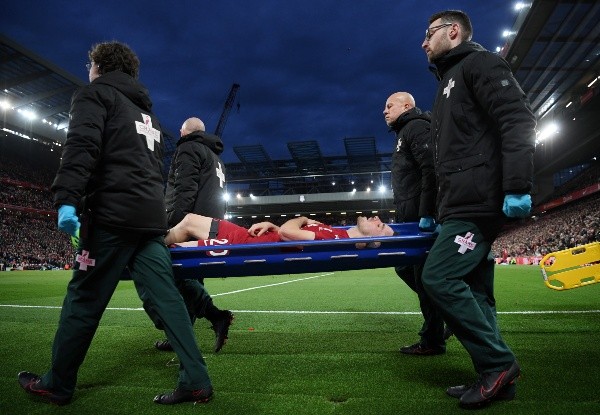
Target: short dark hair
(115, 56)
(455, 16)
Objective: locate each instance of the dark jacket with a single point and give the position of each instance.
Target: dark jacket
(483, 134)
(413, 177)
(196, 178)
(112, 160)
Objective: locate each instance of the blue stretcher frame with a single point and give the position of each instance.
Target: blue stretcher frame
(407, 247)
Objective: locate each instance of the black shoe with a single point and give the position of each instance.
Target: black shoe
(30, 383)
(506, 393)
(221, 328)
(488, 386)
(447, 333)
(180, 395)
(163, 345)
(418, 349)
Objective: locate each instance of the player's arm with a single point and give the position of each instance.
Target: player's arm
(261, 228)
(191, 227)
(292, 230)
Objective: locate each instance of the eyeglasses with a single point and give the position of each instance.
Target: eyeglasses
(431, 30)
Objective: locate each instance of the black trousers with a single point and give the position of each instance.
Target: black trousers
(102, 257)
(459, 277)
(432, 331)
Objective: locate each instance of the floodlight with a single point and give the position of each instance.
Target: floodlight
(547, 131)
(520, 5)
(30, 115)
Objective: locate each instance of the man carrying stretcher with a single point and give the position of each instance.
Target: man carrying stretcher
(197, 230)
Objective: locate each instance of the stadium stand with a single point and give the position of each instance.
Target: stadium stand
(29, 238)
(570, 225)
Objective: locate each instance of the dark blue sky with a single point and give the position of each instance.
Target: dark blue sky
(309, 70)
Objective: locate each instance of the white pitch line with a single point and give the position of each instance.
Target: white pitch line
(402, 313)
(212, 295)
(271, 285)
(409, 313)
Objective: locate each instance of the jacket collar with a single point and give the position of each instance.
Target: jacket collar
(443, 64)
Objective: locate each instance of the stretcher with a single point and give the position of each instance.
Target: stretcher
(408, 246)
(572, 268)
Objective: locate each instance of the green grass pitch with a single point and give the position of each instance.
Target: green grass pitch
(324, 343)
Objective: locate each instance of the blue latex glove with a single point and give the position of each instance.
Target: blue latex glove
(427, 224)
(517, 206)
(67, 220)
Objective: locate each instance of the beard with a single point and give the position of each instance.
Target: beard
(440, 50)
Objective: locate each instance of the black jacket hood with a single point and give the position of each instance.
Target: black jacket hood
(128, 86)
(447, 61)
(412, 114)
(209, 140)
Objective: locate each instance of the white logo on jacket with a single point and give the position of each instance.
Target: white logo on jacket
(145, 128)
(220, 175)
(448, 88)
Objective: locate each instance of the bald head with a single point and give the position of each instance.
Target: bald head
(192, 124)
(396, 105)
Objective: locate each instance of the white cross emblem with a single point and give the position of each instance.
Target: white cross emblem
(220, 175)
(85, 260)
(449, 87)
(465, 242)
(145, 128)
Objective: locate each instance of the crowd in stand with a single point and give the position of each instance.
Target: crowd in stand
(29, 239)
(577, 223)
(32, 241)
(26, 197)
(23, 170)
(587, 178)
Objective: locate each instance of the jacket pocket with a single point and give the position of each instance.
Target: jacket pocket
(463, 181)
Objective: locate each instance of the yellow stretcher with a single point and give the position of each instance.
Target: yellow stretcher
(572, 268)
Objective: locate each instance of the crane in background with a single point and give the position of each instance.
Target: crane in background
(226, 109)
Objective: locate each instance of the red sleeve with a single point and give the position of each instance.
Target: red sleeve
(325, 232)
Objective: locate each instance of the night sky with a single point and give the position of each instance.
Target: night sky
(309, 70)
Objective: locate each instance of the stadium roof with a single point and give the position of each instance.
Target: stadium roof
(36, 95)
(554, 50)
(34, 87)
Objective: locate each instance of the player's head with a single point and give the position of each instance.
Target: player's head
(373, 226)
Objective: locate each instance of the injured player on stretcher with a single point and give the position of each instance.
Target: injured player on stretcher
(197, 230)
